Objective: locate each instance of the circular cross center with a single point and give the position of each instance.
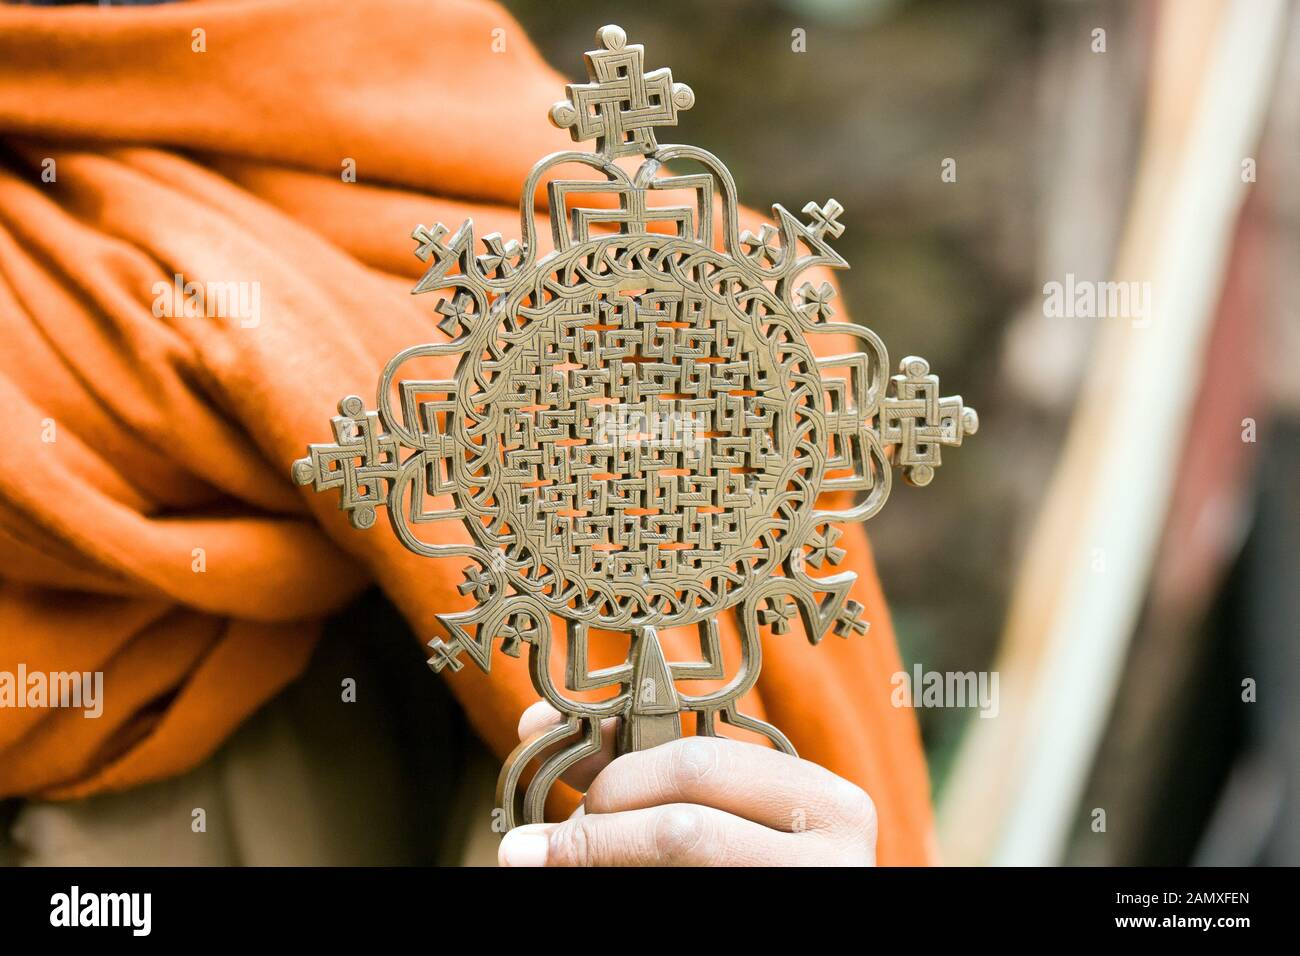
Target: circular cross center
(648, 450)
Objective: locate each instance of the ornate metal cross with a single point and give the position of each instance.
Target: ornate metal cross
(638, 431)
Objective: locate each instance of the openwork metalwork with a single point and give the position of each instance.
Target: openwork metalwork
(638, 434)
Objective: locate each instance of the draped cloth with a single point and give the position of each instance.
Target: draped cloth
(148, 525)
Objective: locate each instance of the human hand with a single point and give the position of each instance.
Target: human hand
(698, 801)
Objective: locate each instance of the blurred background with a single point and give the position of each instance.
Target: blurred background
(1119, 546)
(1120, 543)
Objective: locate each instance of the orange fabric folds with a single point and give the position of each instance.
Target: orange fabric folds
(149, 529)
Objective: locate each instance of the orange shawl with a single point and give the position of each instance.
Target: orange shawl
(148, 525)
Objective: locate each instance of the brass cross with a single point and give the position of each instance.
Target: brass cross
(638, 435)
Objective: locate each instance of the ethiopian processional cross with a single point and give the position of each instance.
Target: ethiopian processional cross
(638, 432)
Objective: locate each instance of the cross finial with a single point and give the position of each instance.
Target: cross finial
(849, 620)
(622, 103)
(825, 218)
(918, 421)
(444, 655)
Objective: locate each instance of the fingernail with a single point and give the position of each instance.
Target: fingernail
(525, 846)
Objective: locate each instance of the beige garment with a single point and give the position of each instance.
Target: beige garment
(310, 780)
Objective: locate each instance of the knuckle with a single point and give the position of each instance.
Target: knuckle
(694, 759)
(679, 833)
(605, 793)
(573, 843)
(854, 806)
(537, 717)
